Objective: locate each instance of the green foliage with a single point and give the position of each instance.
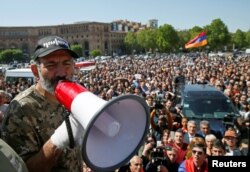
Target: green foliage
(184, 37)
(239, 39)
(10, 55)
(77, 48)
(147, 39)
(130, 42)
(95, 53)
(247, 34)
(195, 31)
(167, 39)
(218, 35)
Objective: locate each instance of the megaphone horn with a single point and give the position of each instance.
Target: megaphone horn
(113, 130)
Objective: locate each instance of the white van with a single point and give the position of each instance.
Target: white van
(24, 74)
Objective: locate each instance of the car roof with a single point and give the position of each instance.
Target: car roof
(199, 87)
(197, 90)
(200, 102)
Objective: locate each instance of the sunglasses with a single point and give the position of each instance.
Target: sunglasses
(198, 152)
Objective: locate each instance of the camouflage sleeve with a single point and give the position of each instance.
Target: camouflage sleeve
(30, 123)
(9, 160)
(19, 130)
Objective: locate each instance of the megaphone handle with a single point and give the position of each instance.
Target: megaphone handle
(69, 129)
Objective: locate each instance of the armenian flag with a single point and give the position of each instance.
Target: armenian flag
(199, 41)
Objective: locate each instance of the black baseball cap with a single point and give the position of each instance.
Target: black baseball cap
(50, 44)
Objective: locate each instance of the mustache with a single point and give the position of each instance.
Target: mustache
(59, 78)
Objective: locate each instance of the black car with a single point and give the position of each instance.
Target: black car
(205, 102)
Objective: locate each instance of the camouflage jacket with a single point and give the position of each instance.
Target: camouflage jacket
(9, 160)
(30, 121)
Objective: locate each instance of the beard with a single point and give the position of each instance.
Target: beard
(49, 84)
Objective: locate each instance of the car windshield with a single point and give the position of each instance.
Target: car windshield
(207, 106)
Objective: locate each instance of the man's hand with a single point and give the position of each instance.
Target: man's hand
(60, 137)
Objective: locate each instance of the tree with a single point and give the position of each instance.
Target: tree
(10, 55)
(192, 33)
(167, 38)
(147, 39)
(239, 39)
(184, 37)
(247, 34)
(130, 42)
(217, 35)
(95, 53)
(195, 31)
(151, 40)
(77, 48)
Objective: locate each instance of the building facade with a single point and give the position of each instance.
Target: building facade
(90, 35)
(127, 26)
(153, 23)
(107, 37)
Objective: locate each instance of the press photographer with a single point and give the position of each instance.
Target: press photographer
(163, 157)
(146, 149)
(157, 156)
(160, 120)
(230, 120)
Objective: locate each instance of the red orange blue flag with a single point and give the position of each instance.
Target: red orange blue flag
(199, 41)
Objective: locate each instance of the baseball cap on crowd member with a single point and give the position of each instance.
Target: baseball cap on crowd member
(230, 133)
(50, 44)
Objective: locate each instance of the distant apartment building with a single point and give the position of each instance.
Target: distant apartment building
(107, 37)
(153, 23)
(126, 26)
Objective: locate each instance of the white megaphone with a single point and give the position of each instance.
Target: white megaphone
(113, 130)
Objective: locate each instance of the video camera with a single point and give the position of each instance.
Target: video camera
(158, 156)
(230, 119)
(159, 99)
(158, 105)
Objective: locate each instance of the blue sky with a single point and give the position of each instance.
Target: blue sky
(181, 14)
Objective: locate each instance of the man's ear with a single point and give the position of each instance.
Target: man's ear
(34, 71)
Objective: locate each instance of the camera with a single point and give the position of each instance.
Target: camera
(159, 102)
(229, 120)
(158, 156)
(158, 105)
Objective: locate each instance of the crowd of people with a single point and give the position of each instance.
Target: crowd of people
(174, 143)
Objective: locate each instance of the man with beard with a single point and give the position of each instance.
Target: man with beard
(34, 125)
